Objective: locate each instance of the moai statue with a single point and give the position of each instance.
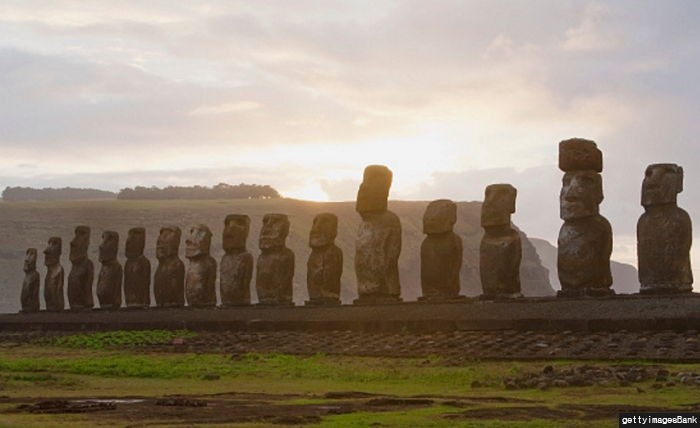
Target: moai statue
(325, 265)
(440, 252)
(275, 268)
(664, 233)
(109, 281)
(200, 282)
(500, 252)
(378, 243)
(585, 238)
(137, 270)
(31, 283)
(169, 279)
(237, 264)
(53, 282)
(82, 272)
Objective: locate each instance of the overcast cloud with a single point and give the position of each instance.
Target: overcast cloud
(452, 95)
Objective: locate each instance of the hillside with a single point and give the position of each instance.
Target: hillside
(30, 224)
(624, 275)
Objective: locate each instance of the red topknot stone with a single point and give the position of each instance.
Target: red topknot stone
(576, 154)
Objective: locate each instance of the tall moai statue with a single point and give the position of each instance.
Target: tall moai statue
(378, 243)
(664, 233)
(440, 252)
(169, 279)
(53, 282)
(200, 282)
(137, 270)
(275, 268)
(237, 263)
(500, 252)
(31, 283)
(82, 272)
(109, 281)
(325, 265)
(585, 238)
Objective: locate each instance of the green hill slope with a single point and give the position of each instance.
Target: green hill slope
(30, 224)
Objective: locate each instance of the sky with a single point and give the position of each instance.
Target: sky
(301, 95)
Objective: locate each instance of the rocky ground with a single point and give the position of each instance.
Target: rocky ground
(454, 347)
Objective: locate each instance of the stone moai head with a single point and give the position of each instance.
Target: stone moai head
(168, 244)
(662, 183)
(274, 231)
(79, 244)
(236, 229)
(577, 154)
(499, 204)
(135, 242)
(52, 253)
(30, 260)
(109, 246)
(374, 190)
(324, 230)
(581, 193)
(198, 243)
(440, 217)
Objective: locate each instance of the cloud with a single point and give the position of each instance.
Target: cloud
(592, 34)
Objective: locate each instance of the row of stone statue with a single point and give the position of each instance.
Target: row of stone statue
(584, 247)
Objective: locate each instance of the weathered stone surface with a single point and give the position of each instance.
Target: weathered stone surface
(378, 243)
(169, 279)
(237, 263)
(499, 204)
(664, 233)
(577, 154)
(373, 193)
(82, 273)
(377, 251)
(440, 252)
(109, 281)
(31, 283)
(275, 267)
(583, 261)
(137, 270)
(325, 265)
(500, 252)
(585, 238)
(53, 282)
(200, 283)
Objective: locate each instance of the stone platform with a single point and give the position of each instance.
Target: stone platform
(626, 312)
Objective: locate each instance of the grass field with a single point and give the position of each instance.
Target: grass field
(276, 389)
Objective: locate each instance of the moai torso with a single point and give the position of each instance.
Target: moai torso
(664, 233)
(31, 284)
(53, 282)
(82, 272)
(109, 280)
(500, 252)
(137, 270)
(440, 252)
(585, 238)
(200, 281)
(169, 279)
(275, 267)
(378, 243)
(236, 269)
(325, 265)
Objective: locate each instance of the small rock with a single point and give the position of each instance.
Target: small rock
(178, 341)
(211, 376)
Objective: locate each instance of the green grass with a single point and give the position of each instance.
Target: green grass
(118, 339)
(102, 371)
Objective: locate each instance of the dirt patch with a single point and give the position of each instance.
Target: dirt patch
(66, 406)
(561, 412)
